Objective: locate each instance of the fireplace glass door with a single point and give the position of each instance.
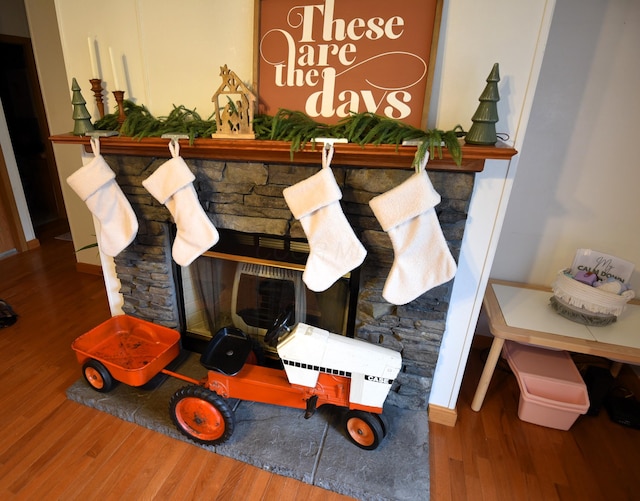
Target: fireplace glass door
(221, 289)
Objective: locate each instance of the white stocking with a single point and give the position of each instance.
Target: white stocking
(172, 185)
(422, 259)
(334, 247)
(95, 184)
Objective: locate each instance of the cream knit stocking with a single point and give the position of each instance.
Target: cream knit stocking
(334, 247)
(172, 185)
(95, 184)
(422, 259)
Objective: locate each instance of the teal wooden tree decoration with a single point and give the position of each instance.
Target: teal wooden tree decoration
(81, 115)
(483, 130)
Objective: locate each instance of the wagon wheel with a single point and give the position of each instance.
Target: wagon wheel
(202, 415)
(98, 376)
(364, 429)
(279, 327)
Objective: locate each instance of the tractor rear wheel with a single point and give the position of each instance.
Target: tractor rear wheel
(202, 415)
(364, 429)
(98, 376)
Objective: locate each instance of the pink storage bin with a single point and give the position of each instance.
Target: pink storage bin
(552, 391)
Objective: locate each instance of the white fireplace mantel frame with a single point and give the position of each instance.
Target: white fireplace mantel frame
(487, 210)
(486, 214)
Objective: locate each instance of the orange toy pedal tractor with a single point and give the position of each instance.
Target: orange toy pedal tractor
(319, 368)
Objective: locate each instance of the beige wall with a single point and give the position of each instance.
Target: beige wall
(578, 176)
(166, 52)
(56, 94)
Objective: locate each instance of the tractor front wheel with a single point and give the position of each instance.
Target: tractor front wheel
(202, 415)
(364, 429)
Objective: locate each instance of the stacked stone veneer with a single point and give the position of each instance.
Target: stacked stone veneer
(247, 197)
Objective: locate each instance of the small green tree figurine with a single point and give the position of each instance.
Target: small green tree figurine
(80, 114)
(483, 130)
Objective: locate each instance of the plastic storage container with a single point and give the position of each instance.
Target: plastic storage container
(552, 391)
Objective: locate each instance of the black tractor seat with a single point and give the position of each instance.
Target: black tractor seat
(227, 351)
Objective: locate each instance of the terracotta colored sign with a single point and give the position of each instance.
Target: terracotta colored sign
(328, 58)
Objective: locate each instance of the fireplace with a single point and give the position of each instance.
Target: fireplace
(248, 280)
(246, 199)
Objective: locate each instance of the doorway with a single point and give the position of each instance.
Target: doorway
(29, 132)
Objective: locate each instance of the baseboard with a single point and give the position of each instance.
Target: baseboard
(442, 415)
(91, 269)
(33, 244)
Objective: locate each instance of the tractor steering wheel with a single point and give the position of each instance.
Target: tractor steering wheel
(279, 327)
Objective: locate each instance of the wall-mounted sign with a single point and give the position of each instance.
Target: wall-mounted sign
(329, 58)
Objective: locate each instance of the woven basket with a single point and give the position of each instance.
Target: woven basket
(586, 304)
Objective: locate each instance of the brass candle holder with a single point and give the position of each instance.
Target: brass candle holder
(119, 97)
(96, 87)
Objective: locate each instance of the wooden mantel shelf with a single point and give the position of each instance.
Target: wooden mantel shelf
(349, 155)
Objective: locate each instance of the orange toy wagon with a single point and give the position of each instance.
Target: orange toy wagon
(126, 349)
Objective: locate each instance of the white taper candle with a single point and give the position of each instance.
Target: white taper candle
(92, 57)
(116, 83)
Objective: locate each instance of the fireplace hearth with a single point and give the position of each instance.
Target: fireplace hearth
(246, 197)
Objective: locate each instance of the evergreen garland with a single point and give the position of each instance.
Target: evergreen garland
(368, 128)
(139, 123)
(294, 126)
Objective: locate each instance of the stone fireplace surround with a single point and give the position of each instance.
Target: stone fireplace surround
(247, 197)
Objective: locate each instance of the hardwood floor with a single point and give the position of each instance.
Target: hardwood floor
(493, 455)
(53, 448)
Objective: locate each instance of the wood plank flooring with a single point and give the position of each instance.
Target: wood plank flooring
(492, 455)
(52, 448)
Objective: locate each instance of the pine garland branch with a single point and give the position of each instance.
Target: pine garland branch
(139, 123)
(298, 128)
(369, 128)
(292, 126)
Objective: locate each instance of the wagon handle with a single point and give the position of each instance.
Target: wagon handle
(181, 376)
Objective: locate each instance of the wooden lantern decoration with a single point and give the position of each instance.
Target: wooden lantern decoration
(234, 107)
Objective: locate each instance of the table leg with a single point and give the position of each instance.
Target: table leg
(487, 373)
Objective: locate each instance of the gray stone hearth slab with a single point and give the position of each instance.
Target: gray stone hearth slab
(398, 468)
(280, 440)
